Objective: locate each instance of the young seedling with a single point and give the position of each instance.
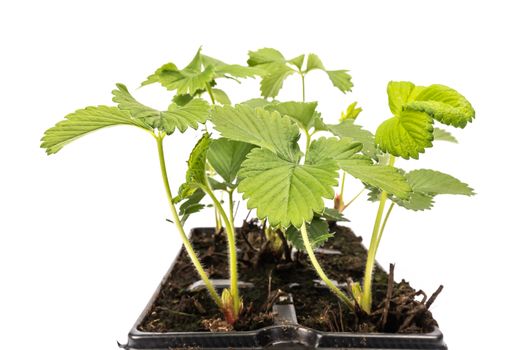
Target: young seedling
(186, 111)
(407, 134)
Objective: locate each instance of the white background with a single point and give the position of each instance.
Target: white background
(83, 238)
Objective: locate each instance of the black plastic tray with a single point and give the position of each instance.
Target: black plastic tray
(285, 334)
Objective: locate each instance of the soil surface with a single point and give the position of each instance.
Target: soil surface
(398, 308)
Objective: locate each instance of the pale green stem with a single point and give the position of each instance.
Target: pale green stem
(308, 140)
(230, 197)
(341, 194)
(320, 271)
(230, 234)
(353, 199)
(366, 301)
(185, 241)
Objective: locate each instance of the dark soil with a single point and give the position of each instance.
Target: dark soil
(398, 309)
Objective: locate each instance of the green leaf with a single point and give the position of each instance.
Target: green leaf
(264, 56)
(331, 214)
(176, 117)
(182, 100)
(318, 234)
(196, 172)
(444, 104)
(405, 135)
(340, 79)
(272, 82)
(351, 112)
(348, 129)
(386, 178)
(444, 135)
(259, 127)
(434, 182)
(399, 93)
(221, 97)
(331, 149)
(418, 201)
(258, 103)
(226, 156)
(297, 61)
(302, 112)
(155, 77)
(192, 205)
(84, 121)
(283, 191)
(314, 62)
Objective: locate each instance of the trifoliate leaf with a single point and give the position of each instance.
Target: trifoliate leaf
(314, 62)
(176, 117)
(444, 135)
(340, 79)
(302, 112)
(196, 172)
(405, 135)
(331, 148)
(84, 121)
(286, 192)
(221, 97)
(297, 61)
(434, 182)
(444, 104)
(386, 178)
(399, 93)
(351, 112)
(348, 129)
(266, 129)
(318, 234)
(226, 156)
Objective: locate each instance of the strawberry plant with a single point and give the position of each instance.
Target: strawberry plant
(187, 110)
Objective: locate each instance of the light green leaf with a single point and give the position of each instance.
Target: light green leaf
(221, 97)
(176, 117)
(301, 112)
(418, 201)
(258, 103)
(84, 121)
(155, 77)
(351, 112)
(286, 192)
(314, 62)
(297, 61)
(196, 172)
(272, 82)
(348, 129)
(259, 127)
(399, 93)
(226, 156)
(318, 234)
(191, 205)
(444, 104)
(405, 135)
(340, 79)
(433, 182)
(331, 148)
(444, 135)
(182, 100)
(386, 178)
(264, 56)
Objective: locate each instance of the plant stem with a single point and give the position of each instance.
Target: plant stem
(308, 140)
(230, 197)
(185, 241)
(230, 234)
(366, 301)
(353, 199)
(320, 271)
